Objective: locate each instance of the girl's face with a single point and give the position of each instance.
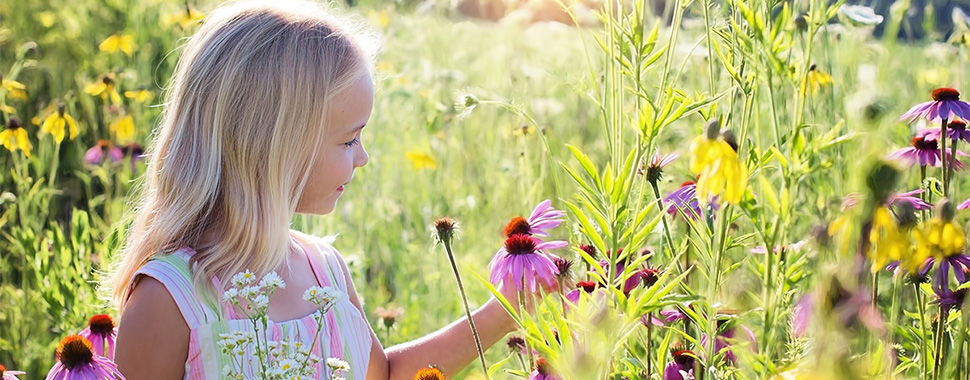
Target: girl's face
(341, 151)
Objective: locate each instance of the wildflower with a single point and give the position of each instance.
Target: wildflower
(924, 151)
(591, 250)
(75, 360)
(721, 170)
(726, 336)
(850, 307)
(8, 374)
(124, 129)
(271, 281)
(945, 104)
(542, 219)
(186, 18)
(522, 261)
(955, 130)
(815, 80)
(563, 268)
(859, 15)
(14, 89)
(896, 201)
(684, 200)
(587, 287)
(516, 344)
(389, 315)
(139, 96)
(105, 88)
(96, 154)
(802, 315)
(101, 333)
(322, 297)
(682, 367)
(654, 170)
(430, 373)
(135, 153)
(940, 237)
(14, 137)
(444, 230)
(952, 299)
(244, 278)
(888, 242)
(123, 42)
(543, 371)
(465, 104)
(525, 129)
(421, 160)
(337, 364)
(56, 122)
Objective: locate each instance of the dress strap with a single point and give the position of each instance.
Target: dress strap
(329, 273)
(173, 271)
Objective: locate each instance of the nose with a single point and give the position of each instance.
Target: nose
(361, 157)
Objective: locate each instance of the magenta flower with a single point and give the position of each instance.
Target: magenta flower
(684, 200)
(101, 333)
(964, 205)
(682, 367)
(918, 204)
(587, 287)
(946, 103)
(96, 155)
(523, 261)
(959, 263)
(925, 152)
(77, 361)
(803, 315)
(9, 375)
(955, 130)
(543, 371)
(542, 219)
(654, 170)
(725, 339)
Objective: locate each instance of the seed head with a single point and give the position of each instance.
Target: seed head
(14, 123)
(430, 373)
(101, 324)
(564, 266)
(589, 249)
(957, 125)
(74, 350)
(445, 230)
(543, 367)
(515, 343)
(520, 244)
(945, 210)
(518, 226)
(713, 129)
(946, 93)
(587, 286)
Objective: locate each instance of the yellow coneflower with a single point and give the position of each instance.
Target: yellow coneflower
(139, 96)
(55, 123)
(123, 129)
(185, 18)
(14, 137)
(104, 88)
(14, 89)
(422, 160)
(123, 42)
(889, 242)
(815, 80)
(940, 237)
(712, 156)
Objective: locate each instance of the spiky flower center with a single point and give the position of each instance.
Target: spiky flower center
(946, 93)
(430, 373)
(921, 143)
(2, 370)
(543, 367)
(102, 324)
(445, 227)
(14, 123)
(520, 244)
(589, 249)
(684, 358)
(687, 183)
(515, 343)
(74, 350)
(587, 286)
(564, 266)
(957, 125)
(518, 226)
(649, 276)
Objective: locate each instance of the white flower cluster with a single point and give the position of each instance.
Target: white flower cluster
(277, 360)
(253, 297)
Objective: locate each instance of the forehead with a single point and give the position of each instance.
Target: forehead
(351, 108)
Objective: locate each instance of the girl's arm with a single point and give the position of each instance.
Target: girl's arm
(451, 348)
(153, 339)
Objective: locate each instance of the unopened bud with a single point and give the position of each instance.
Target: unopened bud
(712, 129)
(945, 210)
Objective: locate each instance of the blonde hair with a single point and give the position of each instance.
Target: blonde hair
(240, 129)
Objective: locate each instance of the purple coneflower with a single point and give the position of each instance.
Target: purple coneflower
(945, 104)
(543, 371)
(97, 153)
(523, 260)
(896, 200)
(654, 170)
(952, 299)
(9, 375)
(682, 367)
(955, 130)
(542, 219)
(587, 287)
(101, 333)
(76, 360)
(684, 200)
(924, 152)
(725, 338)
(960, 265)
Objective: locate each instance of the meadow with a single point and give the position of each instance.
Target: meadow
(480, 121)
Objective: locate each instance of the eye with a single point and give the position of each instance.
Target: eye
(351, 143)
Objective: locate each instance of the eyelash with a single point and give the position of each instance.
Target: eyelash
(351, 143)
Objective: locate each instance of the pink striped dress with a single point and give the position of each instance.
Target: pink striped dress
(344, 332)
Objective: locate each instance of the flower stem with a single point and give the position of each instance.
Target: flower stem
(924, 195)
(663, 219)
(468, 313)
(940, 330)
(952, 163)
(946, 182)
(528, 346)
(922, 326)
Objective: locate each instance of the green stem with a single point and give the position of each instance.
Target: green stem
(940, 330)
(663, 219)
(924, 355)
(468, 313)
(943, 161)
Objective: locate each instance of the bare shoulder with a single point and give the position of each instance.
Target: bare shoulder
(151, 334)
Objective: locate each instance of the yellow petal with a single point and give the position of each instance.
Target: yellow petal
(8, 139)
(15, 90)
(57, 129)
(72, 125)
(49, 123)
(23, 142)
(7, 109)
(125, 129)
(115, 97)
(127, 44)
(95, 88)
(46, 18)
(139, 96)
(110, 44)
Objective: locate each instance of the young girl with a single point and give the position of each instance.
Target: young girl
(263, 120)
